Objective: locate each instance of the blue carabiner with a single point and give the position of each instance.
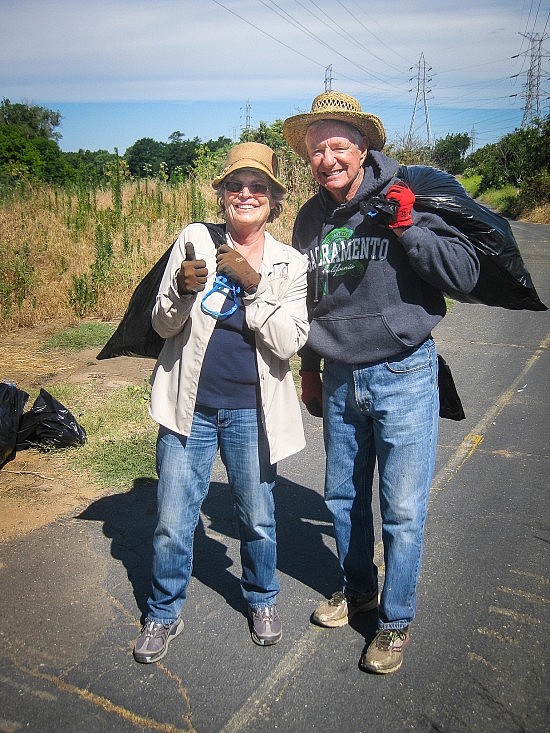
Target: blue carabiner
(222, 284)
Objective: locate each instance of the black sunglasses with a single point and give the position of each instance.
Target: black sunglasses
(256, 189)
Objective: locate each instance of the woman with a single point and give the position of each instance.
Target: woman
(223, 381)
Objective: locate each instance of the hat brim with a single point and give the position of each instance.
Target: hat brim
(247, 163)
(295, 128)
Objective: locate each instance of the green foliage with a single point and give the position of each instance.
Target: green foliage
(197, 204)
(116, 186)
(471, 183)
(515, 157)
(19, 157)
(410, 152)
(535, 191)
(17, 279)
(207, 163)
(87, 288)
(101, 268)
(89, 168)
(503, 199)
(145, 156)
(271, 135)
(28, 145)
(81, 295)
(31, 120)
(448, 152)
(179, 154)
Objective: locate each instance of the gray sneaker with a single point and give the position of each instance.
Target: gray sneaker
(341, 608)
(385, 652)
(152, 643)
(266, 625)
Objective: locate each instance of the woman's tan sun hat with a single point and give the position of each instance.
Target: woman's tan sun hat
(251, 155)
(334, 106)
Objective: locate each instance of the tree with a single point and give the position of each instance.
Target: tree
(180, 153)
(55, 168)
(271, 135)
(448, 152)
(19, 158)
(409, 151)
(516, 157)
(90, 168)
(145, 156)
(32, 120)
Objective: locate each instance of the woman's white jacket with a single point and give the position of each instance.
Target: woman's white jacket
(277, 315)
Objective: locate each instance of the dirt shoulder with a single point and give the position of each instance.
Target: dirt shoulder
(37, 488)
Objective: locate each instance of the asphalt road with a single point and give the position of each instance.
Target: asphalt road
(73, 592)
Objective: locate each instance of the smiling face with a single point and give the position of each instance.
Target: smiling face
(336, 152)
(246, 209)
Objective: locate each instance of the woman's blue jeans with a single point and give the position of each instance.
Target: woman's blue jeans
(385, 413)
(184, 467)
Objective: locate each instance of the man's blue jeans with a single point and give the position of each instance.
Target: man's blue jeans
(184, 466)
(387, 413)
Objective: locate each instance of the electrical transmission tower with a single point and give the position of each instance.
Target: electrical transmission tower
(328, 78)
(531, 89)
(248, 120)
(422, 81)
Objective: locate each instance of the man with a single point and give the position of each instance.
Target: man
(377, 272)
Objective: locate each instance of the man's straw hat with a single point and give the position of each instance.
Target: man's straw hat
(334, 106)
(251, 155)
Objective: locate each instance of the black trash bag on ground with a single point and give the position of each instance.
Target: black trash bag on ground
(135, 336)
(450, 404)
(49, 423)
(12, 404)
(503, 279)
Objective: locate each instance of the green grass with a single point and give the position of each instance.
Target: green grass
(502, 200)
(84, 336)
(121, 437)
(471, 184)
(120, 445)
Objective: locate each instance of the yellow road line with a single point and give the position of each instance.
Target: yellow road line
(473, 440)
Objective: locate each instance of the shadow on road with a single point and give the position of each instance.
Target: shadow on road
(129, 521)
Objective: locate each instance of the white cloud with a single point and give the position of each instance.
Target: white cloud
(111, 49)
(198, 51)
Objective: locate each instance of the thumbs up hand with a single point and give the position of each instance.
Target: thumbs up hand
(192, 275)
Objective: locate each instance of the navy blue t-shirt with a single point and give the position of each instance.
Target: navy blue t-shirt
(229, 374)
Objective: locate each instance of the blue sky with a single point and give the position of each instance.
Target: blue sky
(120, 70)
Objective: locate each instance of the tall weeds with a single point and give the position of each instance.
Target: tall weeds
(72, 254)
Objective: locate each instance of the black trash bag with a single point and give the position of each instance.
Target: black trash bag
(49, 423)
(135, 336)
(450, 404)
(503, 279)
(12, 404)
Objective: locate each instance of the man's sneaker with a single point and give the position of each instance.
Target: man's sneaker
(385, 652)
(266, 625)
(341, 608)
(152, 643)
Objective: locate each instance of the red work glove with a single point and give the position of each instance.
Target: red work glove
(237, 268)
(405, 198)
(193, 273)
(312, 392)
